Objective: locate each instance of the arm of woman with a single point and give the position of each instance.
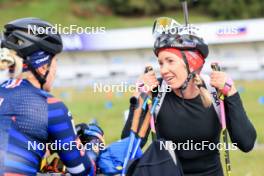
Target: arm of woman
(61, 128)
(239, 126)
(241, 130)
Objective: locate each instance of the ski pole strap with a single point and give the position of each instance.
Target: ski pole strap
(227, 86)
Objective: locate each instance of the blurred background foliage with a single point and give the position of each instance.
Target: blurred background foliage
(221, 9)
(128, 13)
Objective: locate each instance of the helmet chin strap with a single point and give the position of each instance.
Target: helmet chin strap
(41, 79)
(189, 77)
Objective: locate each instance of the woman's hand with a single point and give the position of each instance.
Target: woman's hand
(219, 79)
(147, 82)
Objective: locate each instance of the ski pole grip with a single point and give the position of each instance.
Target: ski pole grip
(215, 66)
(148, 69)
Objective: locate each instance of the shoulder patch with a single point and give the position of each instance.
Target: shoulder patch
(53, 100)
(12, 83)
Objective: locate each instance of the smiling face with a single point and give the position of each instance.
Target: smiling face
(172, 68)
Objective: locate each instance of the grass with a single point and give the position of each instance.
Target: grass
(59, 12)
(86, 105)
(247, 164)
(250, 96)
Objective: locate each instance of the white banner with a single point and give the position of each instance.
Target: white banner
(135, 38)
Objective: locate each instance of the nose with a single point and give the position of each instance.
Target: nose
(164, 69)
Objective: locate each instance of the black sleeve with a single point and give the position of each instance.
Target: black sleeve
(126, 129)
(239, 126)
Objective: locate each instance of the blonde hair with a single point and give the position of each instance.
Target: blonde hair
(204, 93)
(9, 59)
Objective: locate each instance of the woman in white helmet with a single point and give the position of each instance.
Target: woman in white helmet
(186, 114)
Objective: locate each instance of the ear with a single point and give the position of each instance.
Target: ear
(42, 70)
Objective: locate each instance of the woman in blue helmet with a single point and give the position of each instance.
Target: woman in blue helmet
(29, 114)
